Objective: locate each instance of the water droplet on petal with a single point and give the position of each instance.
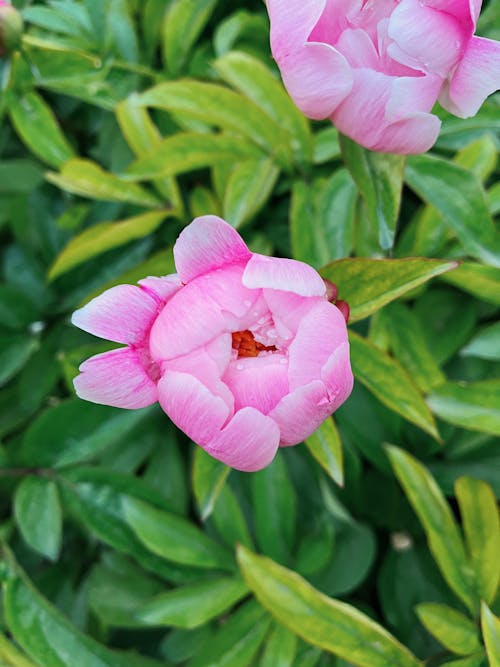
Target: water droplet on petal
(247, 303)
(239, 367)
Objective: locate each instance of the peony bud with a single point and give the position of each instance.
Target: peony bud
(11, 28)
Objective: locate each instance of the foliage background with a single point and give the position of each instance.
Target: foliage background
(118, 534)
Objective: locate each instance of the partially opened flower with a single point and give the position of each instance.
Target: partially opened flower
(376, 67)
(244, 352)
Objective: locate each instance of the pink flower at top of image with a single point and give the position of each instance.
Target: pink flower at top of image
(243, 352)
(377, 67)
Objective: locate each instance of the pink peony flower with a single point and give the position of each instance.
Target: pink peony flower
(376, 67)
(244, 352)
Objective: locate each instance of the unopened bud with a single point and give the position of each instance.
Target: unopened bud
(343, 306)
(11, 28)
(331, 290)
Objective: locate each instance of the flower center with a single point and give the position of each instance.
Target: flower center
(246, 345)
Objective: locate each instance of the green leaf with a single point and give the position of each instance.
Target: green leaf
(87, 179)
(478, 660)
(182, 26)
(249, 187)
(409, 345)
(335, 214)
(229, 519)
(20, 175)
(485, 344)
(325, 445)
(256, 82)
(481, 281)
(379, 177)
(474, 405)
(17, 311)
(193, 605)
(95, 497)
(280, 648)
(38, 514)
(460, 199)
(443, 534)
(209, 477)
(450, 627)
(75, 431)
(219, 106)
(12, 656)
(48, 637)
(15, 350)
(481, 526)
(173, 537)
(38, 128)
(274, 505)
(332, 625)
(186, 151)
(490, 625)
(237, 641)
(390, 383)
(102, 237)
(370, 284)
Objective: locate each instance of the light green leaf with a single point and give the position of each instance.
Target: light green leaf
(478, 660)
(370, 284)
(480, 157)
(208, 477)
(326, 145)
(38, 128)
(224, 108)
(12, 656)
(326, 447)
(390, 383)
(38, 514)
(335, 214)
(474, 405)
(485, 344)
(379, 177)
(229, 519)
(481, 281)
(249, 187)
(481, 526)
(443, 534)
(173, 537)
(332, 625)
(186, 151)
(237, 641)
(254, 80)
(490, 625)
(88, 179)
(274, 505)
(280, 649)
(102, 237)
(182, 26)
(193, 605)
(450, 627)
(48, 637)
(460, 199)
(410, 347)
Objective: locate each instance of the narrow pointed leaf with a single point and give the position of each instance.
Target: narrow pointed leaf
(490, 625)
(325, 445)
(208, 477)
(450, 627)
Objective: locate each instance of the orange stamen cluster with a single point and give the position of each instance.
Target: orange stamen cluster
(247, 346)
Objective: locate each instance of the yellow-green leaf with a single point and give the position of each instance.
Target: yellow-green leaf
(326, 447)
(248, 188)
(334, 626)
(477, 279)
(454, 630)
(490, 625)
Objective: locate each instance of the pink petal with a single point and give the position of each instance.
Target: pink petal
(466, 11)
(249, 442)
(358, 48)
(291, 23)
(319, 334)
(122, 314)
(116, 378)
(416, 134)
(300, 413)
(191, 406)
(476, 77)
(317, 78)
(207, 365)
(411, 94)
(427, 38)
(337, 16)
(208, 243)
(188, 321)
(337, 376)
(288, 310)
(259, 382)
(283, 274)
(162, 287)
